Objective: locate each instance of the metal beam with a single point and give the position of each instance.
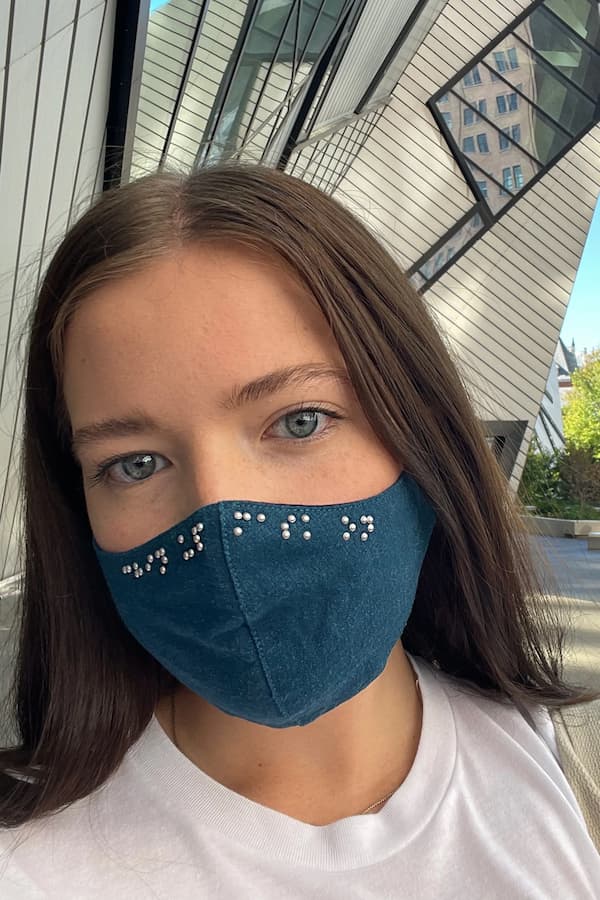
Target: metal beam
(131, 25)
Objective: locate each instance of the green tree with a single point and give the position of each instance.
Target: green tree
(540, 482)
(581, 414)
(579, 475)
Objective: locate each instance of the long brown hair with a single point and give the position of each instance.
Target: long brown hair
(84, 689)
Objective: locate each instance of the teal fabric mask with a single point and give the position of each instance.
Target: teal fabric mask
(277, 613)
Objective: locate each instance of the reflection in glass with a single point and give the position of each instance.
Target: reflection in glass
(417, 280)
(579, 15)
(472, 77)
(496, 146)
(518, 176)
(284, 41)
(553, 94)
(561, 47)
(456, 241)
(525, 128)
(530, 97)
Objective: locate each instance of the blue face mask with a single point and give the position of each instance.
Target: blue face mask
(277, 613)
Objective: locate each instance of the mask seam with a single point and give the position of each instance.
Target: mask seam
(255, 638)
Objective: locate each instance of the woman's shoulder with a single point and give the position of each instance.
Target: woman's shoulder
(86, 826)
(501, 752)
(485, 719)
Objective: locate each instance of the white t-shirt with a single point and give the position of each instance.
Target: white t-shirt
(484, 813)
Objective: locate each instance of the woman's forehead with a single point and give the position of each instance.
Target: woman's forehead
(199, 319)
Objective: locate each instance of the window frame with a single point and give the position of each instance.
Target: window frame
(469, 168)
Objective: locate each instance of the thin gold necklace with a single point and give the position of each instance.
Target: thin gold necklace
(391, 794)
(368, 809)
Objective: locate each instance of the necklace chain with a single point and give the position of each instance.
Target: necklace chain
(368, 809)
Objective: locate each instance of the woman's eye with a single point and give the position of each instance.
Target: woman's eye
(304, 423)
(137, 467)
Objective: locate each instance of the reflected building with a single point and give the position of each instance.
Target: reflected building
(516, 110)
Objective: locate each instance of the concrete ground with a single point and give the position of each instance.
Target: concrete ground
(576, 571)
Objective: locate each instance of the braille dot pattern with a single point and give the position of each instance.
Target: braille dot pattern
(242, 522)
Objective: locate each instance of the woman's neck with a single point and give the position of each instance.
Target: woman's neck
(337, 766)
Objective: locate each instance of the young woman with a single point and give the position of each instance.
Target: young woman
(280, 634)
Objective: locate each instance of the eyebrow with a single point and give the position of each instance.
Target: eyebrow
(136, 423)
(291, 376)
(258, 389)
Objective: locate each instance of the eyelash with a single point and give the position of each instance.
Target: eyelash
(101, 474)
(330, 413)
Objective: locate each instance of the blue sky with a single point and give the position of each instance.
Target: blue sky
(582, 321)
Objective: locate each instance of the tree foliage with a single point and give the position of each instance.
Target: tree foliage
(564, 484)
(579, 473)
(540, 480)
(581, 414)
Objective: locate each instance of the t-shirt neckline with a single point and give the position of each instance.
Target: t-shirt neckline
(349, 843)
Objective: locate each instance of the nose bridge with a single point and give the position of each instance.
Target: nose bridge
(218, 469)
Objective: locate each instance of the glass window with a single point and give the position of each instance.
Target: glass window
(550, 76)
(554, 76)
(447, 117)
(472, 77)
(481, 151)
(444, 98)
(500, 61)
(581, 16)
(417, 279)
(518, 176)
(514, 132)
(279, 51)
(477, 148)
(455, 241)
(560, 47)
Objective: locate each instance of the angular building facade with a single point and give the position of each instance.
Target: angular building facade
(465, 135)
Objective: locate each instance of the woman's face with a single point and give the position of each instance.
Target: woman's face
(211, 375)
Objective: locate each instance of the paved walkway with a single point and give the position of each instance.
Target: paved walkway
(576, 571)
